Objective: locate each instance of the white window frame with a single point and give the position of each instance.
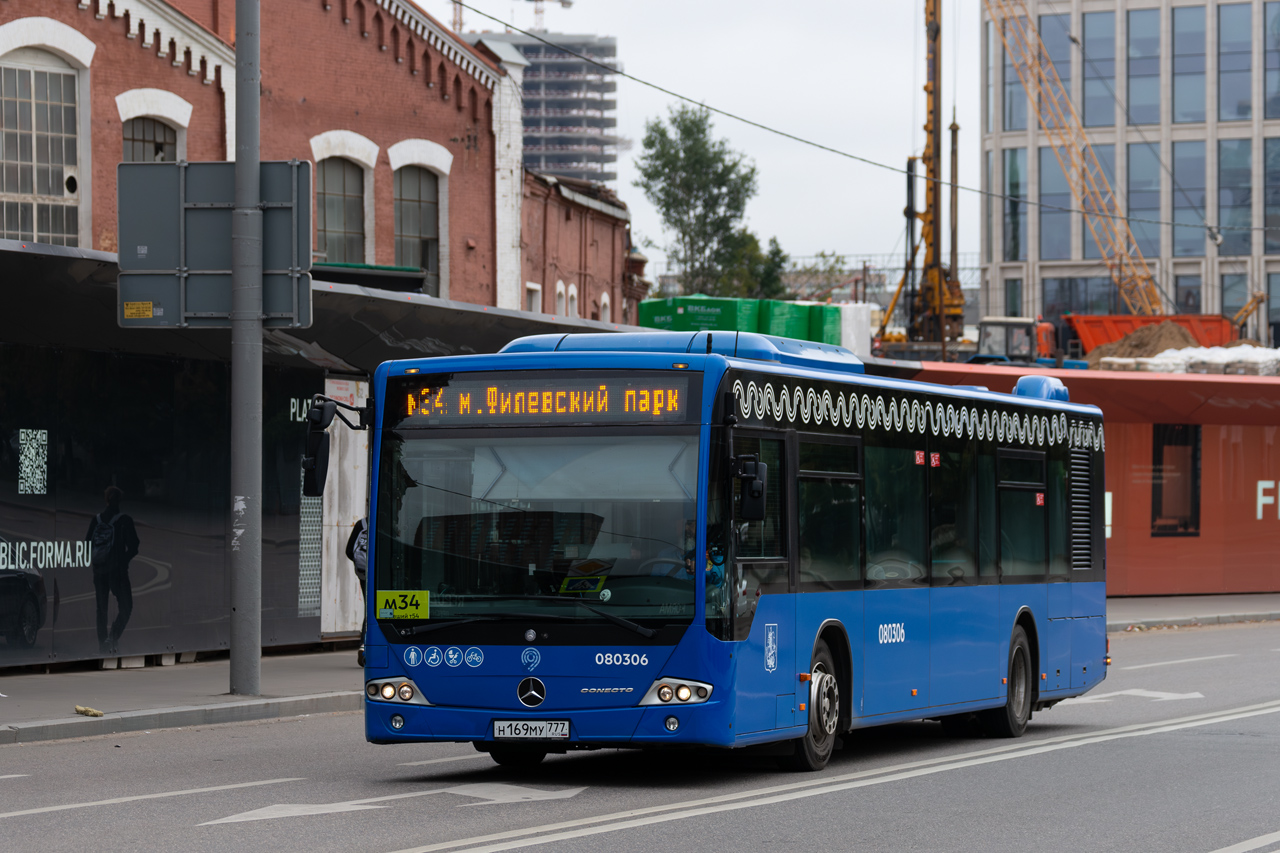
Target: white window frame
(76, 50)
(362, 151)
(572, 303)
(560, 299)
(532, 287)
(158, 104)
(437, 159)
(606, 310)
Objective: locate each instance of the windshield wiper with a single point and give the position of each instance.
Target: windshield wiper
(617, 620)
(414, 630)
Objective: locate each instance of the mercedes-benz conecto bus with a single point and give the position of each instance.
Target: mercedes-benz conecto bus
(729, 540)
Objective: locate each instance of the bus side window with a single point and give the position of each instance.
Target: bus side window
(1056, 504)
(1022, 494)
(896, 512)
(987, 565)
(830, 515)
(953, 504)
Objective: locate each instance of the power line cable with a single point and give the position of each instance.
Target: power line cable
(827, 148)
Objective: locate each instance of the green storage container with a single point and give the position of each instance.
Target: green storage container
(784, 319)
(658, 314)
(716, 314)
(824, 324)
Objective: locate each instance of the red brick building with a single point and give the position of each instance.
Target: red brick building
(415, 134)
(575, 250)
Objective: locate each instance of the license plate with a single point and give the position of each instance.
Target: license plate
(531, 729)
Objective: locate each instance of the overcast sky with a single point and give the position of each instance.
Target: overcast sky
(844, 73)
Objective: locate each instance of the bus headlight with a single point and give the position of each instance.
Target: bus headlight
(665, 689)
(395, 690)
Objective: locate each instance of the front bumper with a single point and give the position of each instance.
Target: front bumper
(705, 723)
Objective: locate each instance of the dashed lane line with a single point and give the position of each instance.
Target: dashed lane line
(1184, 660)
(15, 776)
(442, 760)
(634, 818)
(115, 800)
(1253, 843)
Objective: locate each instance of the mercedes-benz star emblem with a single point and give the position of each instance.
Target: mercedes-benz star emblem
(531, 692)
(530, 635)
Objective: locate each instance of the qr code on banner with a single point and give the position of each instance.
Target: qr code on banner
(33, 461)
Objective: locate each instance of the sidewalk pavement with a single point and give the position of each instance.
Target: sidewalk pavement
(35, 707)
(42, 707)
(1185, 610)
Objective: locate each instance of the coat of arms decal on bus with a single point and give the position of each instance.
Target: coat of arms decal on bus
(770, 647)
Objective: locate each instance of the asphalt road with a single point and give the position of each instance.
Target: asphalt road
(1178, 750)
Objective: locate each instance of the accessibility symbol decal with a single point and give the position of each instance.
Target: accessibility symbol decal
(412, 656)
(453, 656)
(530, 658)
(474, 657)
(434, 656)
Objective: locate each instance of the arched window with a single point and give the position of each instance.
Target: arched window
(457, 92)
(148, 140)
(606, 311)
(340, 211)
(559, 298)
(39, 134)
(573, 300)
(417, 199)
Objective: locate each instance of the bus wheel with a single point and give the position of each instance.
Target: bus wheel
(813, 751)
(1011, 720)
(517, 757)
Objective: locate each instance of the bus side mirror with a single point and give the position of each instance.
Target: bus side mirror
(315, 460)
(754, 475)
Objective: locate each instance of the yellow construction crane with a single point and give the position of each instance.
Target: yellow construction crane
(1062, 126)
(1256, 300)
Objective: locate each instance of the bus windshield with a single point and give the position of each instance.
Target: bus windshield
(526, 527)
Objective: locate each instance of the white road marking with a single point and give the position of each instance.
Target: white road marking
(781, 793)
(15, 776)
(1184, 660)
(1252, 843)
(115, 800)
(1154, 695)
(442, 760)
(491, 793)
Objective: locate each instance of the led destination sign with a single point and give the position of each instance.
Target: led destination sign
(562, 398)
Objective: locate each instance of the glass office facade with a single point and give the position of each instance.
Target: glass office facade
(1188, 64)
(1099, 71)
(1235, 57)
(1056, 203)
(1144, 66)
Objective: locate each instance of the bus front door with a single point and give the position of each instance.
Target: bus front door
(764, 620)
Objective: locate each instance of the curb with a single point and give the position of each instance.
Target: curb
(190, 715)
(1192, 621)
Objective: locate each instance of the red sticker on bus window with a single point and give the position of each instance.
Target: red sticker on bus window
(935, 460)
(919, 457)
(1039, 498)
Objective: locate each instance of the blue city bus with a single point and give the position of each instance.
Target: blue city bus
(721, 539)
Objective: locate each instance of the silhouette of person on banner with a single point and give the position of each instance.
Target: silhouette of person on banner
(114, 542)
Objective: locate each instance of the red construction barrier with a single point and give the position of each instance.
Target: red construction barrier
(1209, 330)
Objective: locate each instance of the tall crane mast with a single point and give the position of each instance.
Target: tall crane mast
(937, 312)
(1065, 132)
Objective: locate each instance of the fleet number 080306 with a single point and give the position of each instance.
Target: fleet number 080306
(621, 659)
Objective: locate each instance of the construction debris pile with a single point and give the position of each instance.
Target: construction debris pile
(1145, 342)
(1246, 359)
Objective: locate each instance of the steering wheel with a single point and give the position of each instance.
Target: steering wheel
(676, 561)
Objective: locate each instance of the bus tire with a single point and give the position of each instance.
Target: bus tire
(1010, 720)
(517, 757)
(813, 751)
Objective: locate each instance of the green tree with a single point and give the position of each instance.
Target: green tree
(747, 270)
(701, 188)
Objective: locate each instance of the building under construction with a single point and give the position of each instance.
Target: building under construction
(570, 126)
(1176, 105)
